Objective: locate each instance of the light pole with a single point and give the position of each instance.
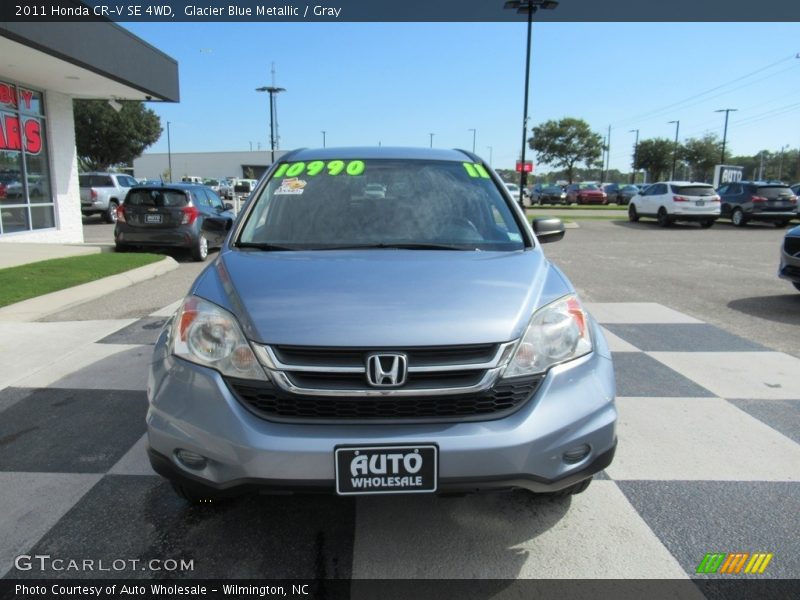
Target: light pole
(635, 153)
(527, 7)
(169, 153)
(323, 139)
(474, 133)
(780, 165)
(725, 131)
(675, 150)
(490, 155)
(431, 134)
(271, 90)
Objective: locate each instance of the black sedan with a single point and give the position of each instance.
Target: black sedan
(744, 201)
(790, 258)
(173, 216)
(552, 194)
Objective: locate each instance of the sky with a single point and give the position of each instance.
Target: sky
(395, 83)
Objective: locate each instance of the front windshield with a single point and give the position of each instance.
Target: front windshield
(385, 203)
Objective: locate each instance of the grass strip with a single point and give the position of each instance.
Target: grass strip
(35, 279)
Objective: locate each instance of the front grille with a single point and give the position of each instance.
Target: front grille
(791, 245)
(355, 357)
(357, 381)
(272, 403)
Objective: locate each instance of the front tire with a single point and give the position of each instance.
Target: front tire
(633, 216)
(781, 224)
(200, 249)
(737, 218)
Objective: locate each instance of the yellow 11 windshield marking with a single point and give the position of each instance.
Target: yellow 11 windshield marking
(476, 170)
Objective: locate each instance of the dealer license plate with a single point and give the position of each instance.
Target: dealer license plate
(386, 469)
(152, 218)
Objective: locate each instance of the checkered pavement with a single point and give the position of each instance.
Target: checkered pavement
(708, 461)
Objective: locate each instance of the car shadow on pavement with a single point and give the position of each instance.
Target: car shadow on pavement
(651, 224)
(779, 309)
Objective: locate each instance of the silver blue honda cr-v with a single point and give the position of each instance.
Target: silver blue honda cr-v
(379, 321)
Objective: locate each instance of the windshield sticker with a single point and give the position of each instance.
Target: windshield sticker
(476, 170)
(291, 186)
(315, 167)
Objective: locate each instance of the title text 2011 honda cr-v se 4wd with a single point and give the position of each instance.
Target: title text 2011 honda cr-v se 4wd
(412, 341)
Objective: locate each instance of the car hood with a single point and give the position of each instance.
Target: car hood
(381, 297)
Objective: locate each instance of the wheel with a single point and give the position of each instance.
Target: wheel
(663, 218)
(110, 215)
(796, 285)
(781, 224)
(575, 488)
(633, 216)
(195, 495)
(121, 248)
(737, 218)
(707, 224)
(200, 249)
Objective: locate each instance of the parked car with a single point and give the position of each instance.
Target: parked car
(790, 257)
(102, 193)
(177, 215)
(415, 343)
(625, 194)
(744, 201)
(14, 190)
(513, 189)
(612, 191)
(552, 194)
(671, 201)
(585, 193)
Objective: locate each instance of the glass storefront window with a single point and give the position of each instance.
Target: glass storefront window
(26, 200)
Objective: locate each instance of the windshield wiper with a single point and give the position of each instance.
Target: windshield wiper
(263, 246)
(394, 246)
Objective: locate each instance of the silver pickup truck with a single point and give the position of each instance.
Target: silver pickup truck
(102, 193)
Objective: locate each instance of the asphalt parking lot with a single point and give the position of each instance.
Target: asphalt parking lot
(704, 342)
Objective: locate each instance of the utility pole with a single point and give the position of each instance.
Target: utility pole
(169, 153)
(725, 131)
(635, 153)
(608, 152)
(431, 134)
(675, 150)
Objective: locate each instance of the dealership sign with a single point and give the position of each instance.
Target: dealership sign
(727, 174)
(16, 133)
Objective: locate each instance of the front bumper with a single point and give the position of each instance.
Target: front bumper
(191, 408)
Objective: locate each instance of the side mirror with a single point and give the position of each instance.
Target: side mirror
(548, 229)
(228, 206)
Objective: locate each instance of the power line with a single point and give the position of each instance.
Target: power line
(653, 113)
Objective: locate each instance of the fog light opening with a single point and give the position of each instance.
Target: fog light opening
(577, 454)
(191, 460)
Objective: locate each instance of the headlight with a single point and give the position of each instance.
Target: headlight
(208, 335)
(557, 333)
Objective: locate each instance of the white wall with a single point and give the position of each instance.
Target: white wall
(208, 165)
(63, 174)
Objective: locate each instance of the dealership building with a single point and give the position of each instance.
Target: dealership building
(43, 67)
(207, 165)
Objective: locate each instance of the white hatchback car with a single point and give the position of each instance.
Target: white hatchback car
(670, 201)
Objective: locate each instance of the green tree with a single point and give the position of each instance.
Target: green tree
(566, 143)
(702, 154)
(654, 156)
(105, 137)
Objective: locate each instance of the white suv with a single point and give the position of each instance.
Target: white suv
(670, 201)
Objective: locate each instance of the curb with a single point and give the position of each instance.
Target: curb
(34, 309)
